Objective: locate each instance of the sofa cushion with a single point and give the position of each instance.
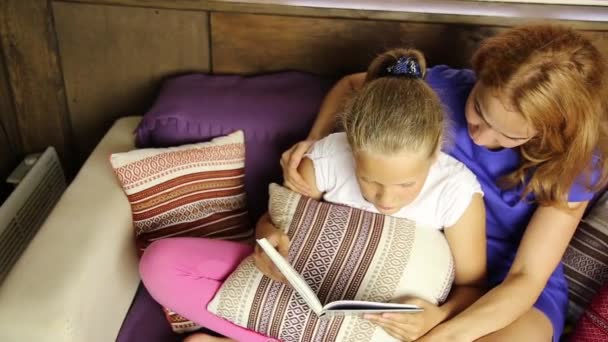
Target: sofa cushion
(179, 324)
(593, 325)
(191, 190)
(342, 253)
(274, 111)
(586, 258)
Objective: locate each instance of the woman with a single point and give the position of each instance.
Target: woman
(531, 121)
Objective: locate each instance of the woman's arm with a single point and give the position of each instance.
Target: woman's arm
(326, 119)
(539, 253)
(323, 125)
(467, 240)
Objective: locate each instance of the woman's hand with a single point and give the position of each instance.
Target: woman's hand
(409, 326)
(290, 160)
(279, 241)
(323, 125)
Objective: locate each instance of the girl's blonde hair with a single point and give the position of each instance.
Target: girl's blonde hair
(556, 79)
(392, 113)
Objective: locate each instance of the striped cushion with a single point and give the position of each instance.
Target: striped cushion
(343, 253)
(179, 323)
(191, 190)
(586, 258)
(593, 325)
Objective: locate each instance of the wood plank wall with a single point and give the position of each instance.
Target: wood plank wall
(34, 75)
(71, 67)
(113, 59)
(329, 45)
(10, 141)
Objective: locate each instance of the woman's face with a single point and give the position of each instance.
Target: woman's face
(391, 182)
(493, 125)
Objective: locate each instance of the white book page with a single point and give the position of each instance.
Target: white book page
(359, 306)
(292, 276)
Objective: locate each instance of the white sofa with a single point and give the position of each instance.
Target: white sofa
(77, 278)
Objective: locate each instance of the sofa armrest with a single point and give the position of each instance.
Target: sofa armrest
(77, 278)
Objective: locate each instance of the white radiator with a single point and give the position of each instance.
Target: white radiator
(24, 211)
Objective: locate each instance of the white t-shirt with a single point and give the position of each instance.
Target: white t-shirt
(444, 197)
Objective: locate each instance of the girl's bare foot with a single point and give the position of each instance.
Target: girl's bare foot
(201, 337)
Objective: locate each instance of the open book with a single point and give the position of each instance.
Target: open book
(339, 307)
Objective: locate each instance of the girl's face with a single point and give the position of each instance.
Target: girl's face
(493, 125)
(391, 182)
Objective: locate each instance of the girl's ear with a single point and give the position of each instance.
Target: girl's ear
(435, 154)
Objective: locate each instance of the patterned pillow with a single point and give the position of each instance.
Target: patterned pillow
(586, 259)
(342, 253)
(191, 190)
(593, 325)
(179, 324)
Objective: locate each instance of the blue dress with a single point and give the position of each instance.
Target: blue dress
(507, 215)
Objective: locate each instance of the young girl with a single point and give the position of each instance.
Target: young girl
(531, 122)
(387, 161)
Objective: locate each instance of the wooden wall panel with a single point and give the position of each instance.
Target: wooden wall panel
(246, 43)
(600, 39)
(251, 43)
(113, 59)
(10, 143)
(8, 161)
(502, 14)
(72, 67)
(7, 112)
(34, 77)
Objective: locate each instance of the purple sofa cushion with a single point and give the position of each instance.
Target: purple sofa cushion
(274, 111)
(145, 322)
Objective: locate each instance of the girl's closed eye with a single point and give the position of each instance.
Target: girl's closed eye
(407, 185)
(365, 180)
(476, 107)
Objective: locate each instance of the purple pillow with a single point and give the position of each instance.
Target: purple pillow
(274, 111)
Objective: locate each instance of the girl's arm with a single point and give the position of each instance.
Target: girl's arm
(323, 125)
(278, 239)
(539, 253)
(467, 240)
(266, 229)
(307, 170)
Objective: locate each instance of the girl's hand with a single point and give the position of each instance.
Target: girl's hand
(280, 242)
(290, 160)
(409, 326)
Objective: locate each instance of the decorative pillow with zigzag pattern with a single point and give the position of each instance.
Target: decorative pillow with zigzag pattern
(342, 253)
(195, 190)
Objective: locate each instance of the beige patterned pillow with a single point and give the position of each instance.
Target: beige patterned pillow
(190, 190)
(342, 253)
(586, 259)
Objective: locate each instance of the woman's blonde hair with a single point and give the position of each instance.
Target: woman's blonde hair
(556, 79)
(393, 112)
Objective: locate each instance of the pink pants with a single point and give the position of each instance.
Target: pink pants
(183, 274)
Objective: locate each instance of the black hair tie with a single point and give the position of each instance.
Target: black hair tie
(405, 66)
